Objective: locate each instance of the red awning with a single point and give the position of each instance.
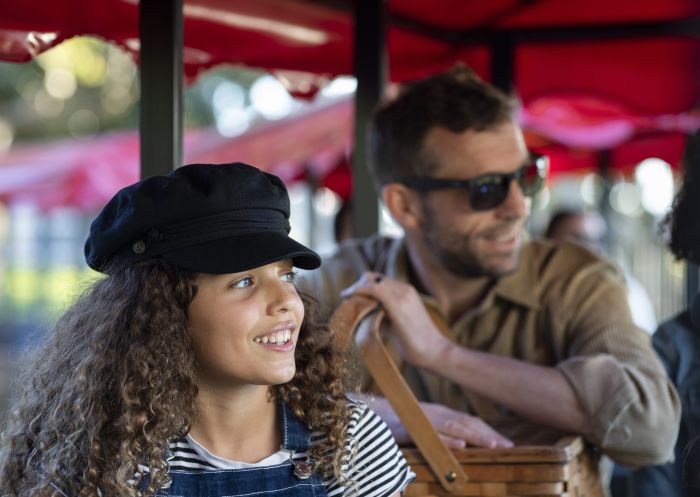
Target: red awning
(593, 74)
(86, 174)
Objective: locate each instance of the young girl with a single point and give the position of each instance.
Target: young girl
(194, 368)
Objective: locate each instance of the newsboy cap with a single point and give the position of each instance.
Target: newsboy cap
(207, 218)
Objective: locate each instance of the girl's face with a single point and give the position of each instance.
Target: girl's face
(245, 326)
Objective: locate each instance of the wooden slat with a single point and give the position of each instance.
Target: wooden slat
(503, 472)
(529, 454)
(472, 489)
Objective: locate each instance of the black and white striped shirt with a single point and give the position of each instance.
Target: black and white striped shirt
(377, 468)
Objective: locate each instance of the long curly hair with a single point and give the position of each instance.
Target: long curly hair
(683, 222)
(116, 381)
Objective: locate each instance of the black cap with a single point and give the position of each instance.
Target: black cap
(207, 218)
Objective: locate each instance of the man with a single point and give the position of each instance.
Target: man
(533, 331)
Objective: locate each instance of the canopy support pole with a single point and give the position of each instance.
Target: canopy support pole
(160, 66)
(370, 71)
(503, 63)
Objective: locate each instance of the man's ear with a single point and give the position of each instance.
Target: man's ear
(403, 204)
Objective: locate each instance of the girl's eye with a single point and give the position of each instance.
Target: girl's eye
(289, 276)
(242, 283)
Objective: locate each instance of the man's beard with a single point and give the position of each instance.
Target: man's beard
(454, 255)
(453, 250)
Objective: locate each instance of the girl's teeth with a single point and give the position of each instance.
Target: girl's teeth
(279, 337)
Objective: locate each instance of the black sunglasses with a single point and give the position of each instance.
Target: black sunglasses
(490, 190)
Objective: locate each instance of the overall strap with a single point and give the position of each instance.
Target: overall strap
(295, 434)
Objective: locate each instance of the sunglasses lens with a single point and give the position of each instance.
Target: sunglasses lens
(533, 175)
(488, 195)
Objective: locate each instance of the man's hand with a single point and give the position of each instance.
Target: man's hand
(456, 429)
(417, 338)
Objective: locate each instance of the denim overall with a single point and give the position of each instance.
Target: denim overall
(279, 480)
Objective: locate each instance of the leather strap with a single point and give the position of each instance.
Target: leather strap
(362, 317)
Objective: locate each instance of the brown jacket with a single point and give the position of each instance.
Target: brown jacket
(564, 307)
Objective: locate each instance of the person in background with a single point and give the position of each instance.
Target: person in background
(194, 367)
(534, 332)
(677, 341)
(588, 228)
(342, 224)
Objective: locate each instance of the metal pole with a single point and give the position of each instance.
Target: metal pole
(370, 71)
(604, 167)
(503, 63)
(160, 65)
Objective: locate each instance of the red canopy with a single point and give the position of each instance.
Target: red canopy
(86, 174)
(592, 74)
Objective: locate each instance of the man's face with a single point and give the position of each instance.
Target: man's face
(466, 242)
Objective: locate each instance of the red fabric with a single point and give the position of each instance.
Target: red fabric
(86, 174)
(613, 93)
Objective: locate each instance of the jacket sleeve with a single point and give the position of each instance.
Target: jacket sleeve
(631, 403)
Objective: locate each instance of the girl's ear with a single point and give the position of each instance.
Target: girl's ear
(403, 204)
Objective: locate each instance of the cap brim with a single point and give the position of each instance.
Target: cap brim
(240, 253)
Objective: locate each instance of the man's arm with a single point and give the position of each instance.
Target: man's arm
(541, 394)
(456, 429)
(611, 389)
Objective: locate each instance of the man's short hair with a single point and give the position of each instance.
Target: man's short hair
(456, 99)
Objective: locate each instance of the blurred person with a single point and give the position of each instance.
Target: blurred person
(194, 367)
(588, 228)
(342, 224)
(534, 332)
(677, 341)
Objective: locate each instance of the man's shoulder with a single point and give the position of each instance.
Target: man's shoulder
(549, 269)
(344, 266)
(549, 259)
(369, 251)
(353, 257)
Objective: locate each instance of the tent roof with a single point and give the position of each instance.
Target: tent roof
(592, 74)
(624, 49)
(86, 174)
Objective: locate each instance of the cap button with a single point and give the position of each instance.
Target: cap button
(139, 247)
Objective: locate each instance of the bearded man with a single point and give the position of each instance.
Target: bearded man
(535, 332)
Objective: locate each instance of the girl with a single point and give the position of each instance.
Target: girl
(194, 368)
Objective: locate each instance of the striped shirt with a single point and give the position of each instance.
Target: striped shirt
(377, 468)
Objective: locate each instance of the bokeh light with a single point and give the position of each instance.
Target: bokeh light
(83, 123)
(625, 198)
(270, 99)
(339, 87)
(655, 180)
(60, 83)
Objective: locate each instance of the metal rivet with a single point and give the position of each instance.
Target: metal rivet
(451, 476)
(139, 247)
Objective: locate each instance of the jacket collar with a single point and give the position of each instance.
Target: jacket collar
(518, 287)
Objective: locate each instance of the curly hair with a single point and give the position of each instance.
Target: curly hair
(456, 99)
(683, 221)
(116, 381)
